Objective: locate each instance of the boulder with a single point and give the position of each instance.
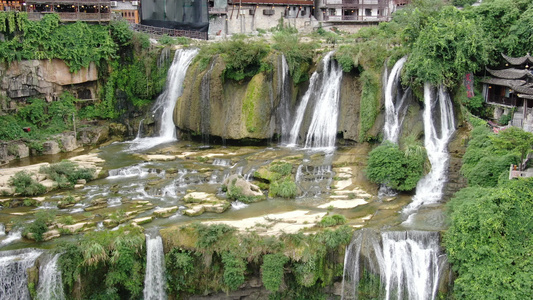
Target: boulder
(93, 135)
(199, 202)
(68, 141)
(165, 212)
(51, 147)
(248, 189)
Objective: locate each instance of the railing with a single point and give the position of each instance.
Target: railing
(74, 16)
(69, 2)
(355, 18)
(494, 99)
(358, 3)
(169, 31)
(270, 2)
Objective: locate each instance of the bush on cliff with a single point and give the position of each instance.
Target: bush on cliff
(25, 185)
(400, 170)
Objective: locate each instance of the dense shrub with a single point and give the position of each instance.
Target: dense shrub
(234, 268)
(285, 189)
(40, 224)
(334, 220)
(66, 173)
(179, 266)
(389, 165)
(272, 271)
(25, 185)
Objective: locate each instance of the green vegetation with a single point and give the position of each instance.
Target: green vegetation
(299, 55)
(67, 173)
(279, 175)
(489, 156)
(369, 103)
(78, 44)
(489, 241)
(213, 258)
(397, 169)
(111, 264)
(272, 271)
(25, 185)
(334, 220)
(39, 225)
(243, 59)
(234, 192)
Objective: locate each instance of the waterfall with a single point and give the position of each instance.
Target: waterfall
(394, 100)
(324, 88)
(410, 265)
(13, 235)
(284, 113)
(438, 129)
(154, 280)
(140, 130)
(13, 273)
(2, 229)
(165, 103)
(50, 282)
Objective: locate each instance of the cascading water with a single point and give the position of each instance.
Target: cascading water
(13, 273)
(284, 113)
(13, 235)
(324, 88)
(438, 128)
(166, 102)
(154, 280)
(2, 229)
(50, 282)
(394, 100)
(410, 264)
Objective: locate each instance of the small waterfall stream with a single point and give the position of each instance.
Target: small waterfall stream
(165, 103)
(410, 264)
(154, 280)
(324, 89)
(205, 97)
(50, 282)
(284, 113)
(439, 126)
(394, 103)
(13, 275)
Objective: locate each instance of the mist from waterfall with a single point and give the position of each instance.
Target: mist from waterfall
(394, 103)
(13, 273)
(324, 89)
(154, 280)
(50, 280)
(439, 126)
(165, 103)
(410, 264)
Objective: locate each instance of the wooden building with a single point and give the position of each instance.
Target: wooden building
(512, 86)
(71, 10)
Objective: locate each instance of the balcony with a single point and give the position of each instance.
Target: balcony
(73, 16)
(272, 2)
(218, 11)
(357, 3)
(355, 18)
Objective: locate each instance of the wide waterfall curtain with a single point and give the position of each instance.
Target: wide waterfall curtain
(176, 14)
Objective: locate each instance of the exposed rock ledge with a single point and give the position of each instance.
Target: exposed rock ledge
(50, 78)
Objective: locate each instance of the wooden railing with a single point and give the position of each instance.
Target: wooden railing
(356, 18)
(170, 32)
(272, 2)
(69, 2)
(73, 16)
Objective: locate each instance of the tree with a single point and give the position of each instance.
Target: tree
(514, 139)
(490, 241)
(389, 165)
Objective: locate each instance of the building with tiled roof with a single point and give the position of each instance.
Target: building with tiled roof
(512, 87)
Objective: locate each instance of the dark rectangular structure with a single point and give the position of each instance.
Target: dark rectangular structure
(176, 14)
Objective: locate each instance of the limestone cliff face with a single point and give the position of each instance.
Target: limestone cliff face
(231, 110)
(48, 78)
(257, 108)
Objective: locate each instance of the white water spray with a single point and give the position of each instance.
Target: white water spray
(394, 110)
(50, 282)
(323, 127)
(439, 126)
(154, 280)
(13, 275)
(166, 102)
(410, 264)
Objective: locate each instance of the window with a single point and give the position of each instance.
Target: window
(332, 11)
(368, 12)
